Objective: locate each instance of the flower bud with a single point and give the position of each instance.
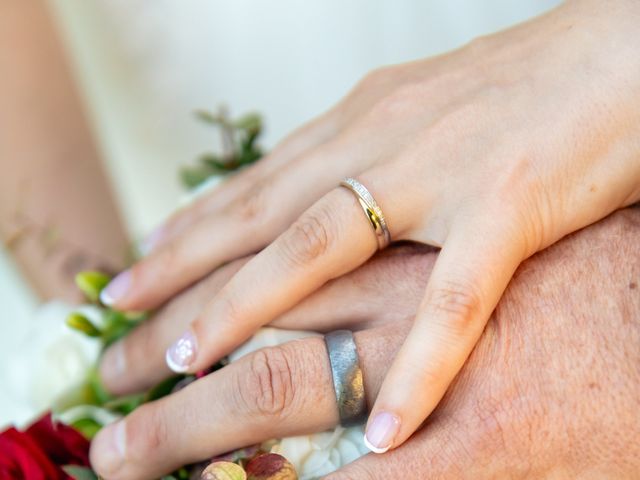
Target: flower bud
(79, 322)
(91, 284)
(224, 471)
(270, 466)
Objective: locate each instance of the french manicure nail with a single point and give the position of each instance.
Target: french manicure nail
(182, 353)
(147, 245)
(381, 432)
(116, 289)
(108, 448)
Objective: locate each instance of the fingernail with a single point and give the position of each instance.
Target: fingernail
(381, 432)
(116, 289)
(147, 245)
(182, 353)
(108, 448)
(113, 364)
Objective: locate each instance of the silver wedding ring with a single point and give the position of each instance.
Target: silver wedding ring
(371, 209)
(347, 377)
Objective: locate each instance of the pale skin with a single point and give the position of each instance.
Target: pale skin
(551, 390)
(493, 152)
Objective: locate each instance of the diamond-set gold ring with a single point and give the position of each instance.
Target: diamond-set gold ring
(371, 209)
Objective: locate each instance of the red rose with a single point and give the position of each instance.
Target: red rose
(21, 457)
(62, 444)
(41, 450)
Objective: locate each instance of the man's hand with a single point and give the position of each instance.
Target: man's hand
(552, 389)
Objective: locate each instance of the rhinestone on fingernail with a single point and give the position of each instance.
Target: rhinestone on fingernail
(182, 353)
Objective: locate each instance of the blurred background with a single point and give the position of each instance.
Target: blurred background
(97, 101)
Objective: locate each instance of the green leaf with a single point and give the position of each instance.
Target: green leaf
(224, 471)
(87, 427)
(251, 122)
(163, 388)
(239, 147)
(124, 405)
(207, 117)
(183, 474)
(215, 165)
(98, 391)
(79, 322)
(79, 473)
(91, 284)
(117, 325)
(82, 394)
(214, 162)
(193, 177)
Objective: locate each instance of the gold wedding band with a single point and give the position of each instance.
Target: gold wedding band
(371, 209)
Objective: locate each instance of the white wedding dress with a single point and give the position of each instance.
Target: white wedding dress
(144, 65)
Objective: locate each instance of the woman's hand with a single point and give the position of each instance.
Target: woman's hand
(493, 152)
(551, 390)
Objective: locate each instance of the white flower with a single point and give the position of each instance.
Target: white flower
(50, 360)
(312, 455)
(322, 453)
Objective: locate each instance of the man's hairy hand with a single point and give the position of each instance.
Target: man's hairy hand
(553, 388)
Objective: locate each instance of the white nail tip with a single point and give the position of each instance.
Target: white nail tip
(175, 367)
(105, 298)
(373, 448)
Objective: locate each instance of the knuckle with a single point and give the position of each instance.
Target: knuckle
(459, 302)
(397, 102)
(171, 258)
(479, 46)
(146, 432)
(308, 238)
(252, 206)
(446, 129)
(227, 312)
(374, 79)
(267, 386)
(230, 307)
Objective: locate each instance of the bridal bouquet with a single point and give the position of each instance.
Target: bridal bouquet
(64, 383)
